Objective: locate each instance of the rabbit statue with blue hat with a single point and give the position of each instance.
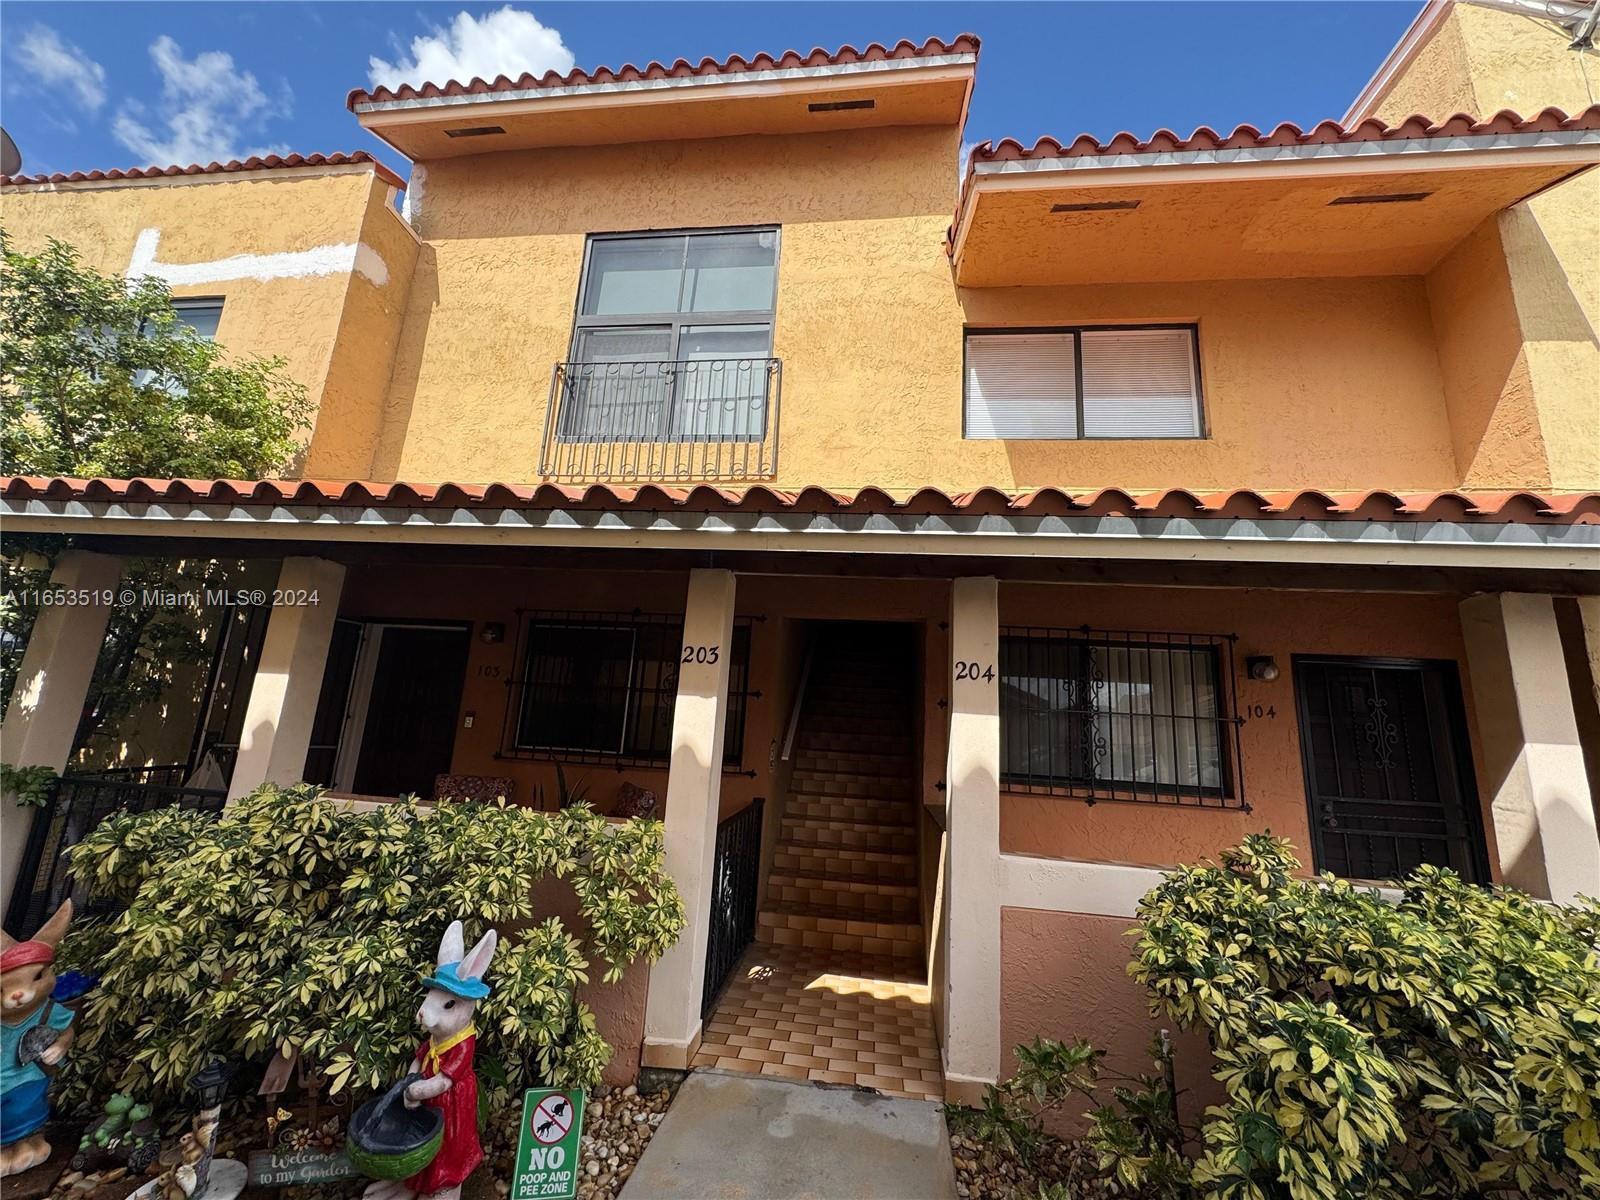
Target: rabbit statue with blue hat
(441, 1079)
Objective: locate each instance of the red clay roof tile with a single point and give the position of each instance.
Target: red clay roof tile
(1306, 504)
(965, 43)
(270, 162)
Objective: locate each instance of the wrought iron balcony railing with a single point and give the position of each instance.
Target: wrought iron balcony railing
(693, 419)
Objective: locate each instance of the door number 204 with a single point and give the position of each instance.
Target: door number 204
(975, 670)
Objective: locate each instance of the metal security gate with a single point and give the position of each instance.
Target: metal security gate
(77, 804)
(733, 898)
(1388, 774)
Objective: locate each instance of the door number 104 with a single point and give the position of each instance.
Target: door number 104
(975, 670)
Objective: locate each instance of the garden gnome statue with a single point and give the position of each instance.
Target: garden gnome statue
(35, 1031)
(444, 1061)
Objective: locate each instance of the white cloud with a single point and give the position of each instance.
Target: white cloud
(505, 42)
(41, 53)
(207, 107)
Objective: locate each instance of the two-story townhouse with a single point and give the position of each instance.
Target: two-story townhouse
(947, 562)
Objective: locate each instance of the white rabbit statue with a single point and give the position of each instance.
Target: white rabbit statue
(444, 1061)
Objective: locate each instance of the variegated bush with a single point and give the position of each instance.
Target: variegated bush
(1445, 1042)
(290, 922)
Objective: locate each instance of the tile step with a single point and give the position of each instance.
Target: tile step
(852, 810)
(869, 866)
(861, 835)
(865, 787)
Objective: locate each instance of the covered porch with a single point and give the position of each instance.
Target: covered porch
(904, 750)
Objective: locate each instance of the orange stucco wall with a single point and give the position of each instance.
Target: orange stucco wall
(207, 219)
(1281, 624)
(1063, 976)
(1546, 430)
(479, 594)
(869, 328)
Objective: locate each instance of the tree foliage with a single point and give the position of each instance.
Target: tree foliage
(99, 377)
(289, 922)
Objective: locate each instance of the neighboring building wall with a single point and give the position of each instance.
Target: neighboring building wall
(1278, 623)
(1482, 61)
(208, 235)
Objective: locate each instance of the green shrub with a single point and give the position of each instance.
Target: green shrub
(1446, 1044)
(290, 922)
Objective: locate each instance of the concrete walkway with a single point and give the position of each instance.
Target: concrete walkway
(747, 1137)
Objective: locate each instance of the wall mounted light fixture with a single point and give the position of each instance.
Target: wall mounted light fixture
(493, 632)
(1261, 667)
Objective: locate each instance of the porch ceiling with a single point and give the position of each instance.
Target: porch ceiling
(1372, 200)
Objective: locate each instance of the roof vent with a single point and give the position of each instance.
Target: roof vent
(841, 105)
(1096, 206)
(474, 131)
(1382, 198)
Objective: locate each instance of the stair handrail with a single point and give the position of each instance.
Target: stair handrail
(799, 700)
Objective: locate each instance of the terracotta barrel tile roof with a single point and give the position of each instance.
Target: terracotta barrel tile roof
(1523, 507)
(1551, 120)
(965, 43)
(271, 162)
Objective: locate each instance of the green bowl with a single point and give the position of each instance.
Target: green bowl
(394, 1166)
(390, 1141)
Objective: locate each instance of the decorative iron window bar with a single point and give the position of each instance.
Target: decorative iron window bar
(599, 687)
(77, 804)
(691, 419)
(1120, 715)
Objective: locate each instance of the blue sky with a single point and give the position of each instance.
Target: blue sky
(88, 85)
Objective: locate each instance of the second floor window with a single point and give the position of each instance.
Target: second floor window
(673, 337)
(1069, 383)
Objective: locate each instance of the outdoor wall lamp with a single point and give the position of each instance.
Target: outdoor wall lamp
(1261, 667)
(493, 633)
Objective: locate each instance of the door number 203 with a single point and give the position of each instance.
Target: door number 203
(975, 670)
(701, 654)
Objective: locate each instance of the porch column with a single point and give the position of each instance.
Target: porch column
(972, 799)
(694, 793)
(52, 685)
(283, 698)
(1544, 817)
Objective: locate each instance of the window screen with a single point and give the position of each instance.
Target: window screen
(1089, 383)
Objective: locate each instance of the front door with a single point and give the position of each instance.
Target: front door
(1388, 775)
(410, 727)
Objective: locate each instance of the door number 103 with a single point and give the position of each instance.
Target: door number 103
(975, 670)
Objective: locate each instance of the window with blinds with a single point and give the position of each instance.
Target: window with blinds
(1101, 382)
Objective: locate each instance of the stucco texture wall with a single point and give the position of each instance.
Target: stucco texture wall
(1483, 61)
(477, 594)
(1281, 624)
(208, 219)
(866, 321)
(1063, 976)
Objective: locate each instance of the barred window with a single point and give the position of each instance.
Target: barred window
(601, 687)
(1132, 716)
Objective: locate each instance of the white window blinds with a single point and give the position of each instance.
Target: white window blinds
(1137, 383)
(1021, 385)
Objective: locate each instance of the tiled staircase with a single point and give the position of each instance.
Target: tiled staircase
(844, 874)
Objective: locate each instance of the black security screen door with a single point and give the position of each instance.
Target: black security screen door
(1388, 777)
